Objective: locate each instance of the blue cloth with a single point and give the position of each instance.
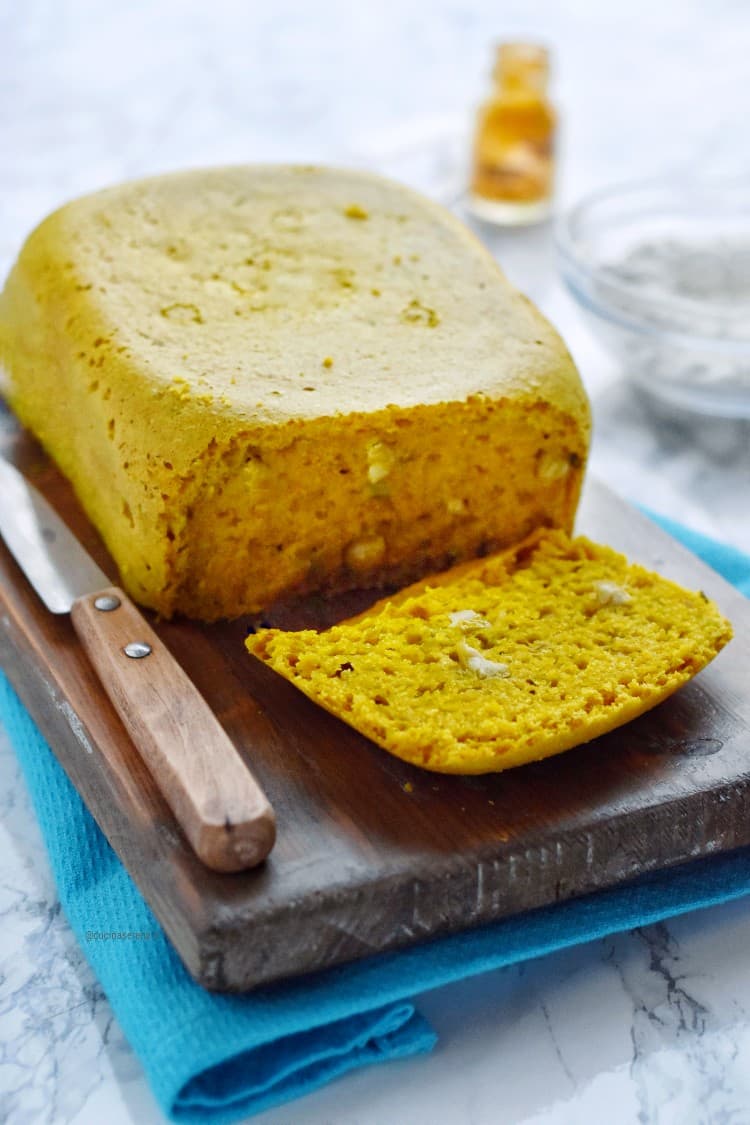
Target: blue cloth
(215, 1058)
(730, 563)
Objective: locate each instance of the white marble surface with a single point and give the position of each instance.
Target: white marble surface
(649, 1027)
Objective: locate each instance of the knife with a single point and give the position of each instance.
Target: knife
(218, 803)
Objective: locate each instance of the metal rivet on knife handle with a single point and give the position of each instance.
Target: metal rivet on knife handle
(136, 650)
(105, 603)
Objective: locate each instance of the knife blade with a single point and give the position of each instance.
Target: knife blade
(219, 804)
(50, 556)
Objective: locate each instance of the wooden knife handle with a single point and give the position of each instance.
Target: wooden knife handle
(220, 806)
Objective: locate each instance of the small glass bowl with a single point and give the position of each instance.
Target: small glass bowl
(662, 271)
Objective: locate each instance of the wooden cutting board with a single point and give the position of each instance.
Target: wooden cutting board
(373, 854)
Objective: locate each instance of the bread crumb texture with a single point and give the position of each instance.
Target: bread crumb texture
(507, 659)
(265, 381)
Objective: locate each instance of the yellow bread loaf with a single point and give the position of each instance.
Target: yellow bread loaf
(507, 659)
(263, 381)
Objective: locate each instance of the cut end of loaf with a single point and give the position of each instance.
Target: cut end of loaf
(363, 502)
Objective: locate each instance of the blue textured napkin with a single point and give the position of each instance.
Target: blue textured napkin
(212, 1058)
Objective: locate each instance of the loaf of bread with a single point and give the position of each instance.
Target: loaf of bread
(507, 659)
(264, 381)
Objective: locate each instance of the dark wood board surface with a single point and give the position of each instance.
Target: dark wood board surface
(373, 854)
